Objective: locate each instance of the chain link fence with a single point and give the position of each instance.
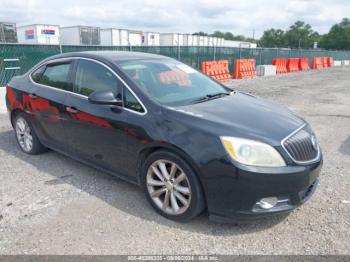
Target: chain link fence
(17, 59)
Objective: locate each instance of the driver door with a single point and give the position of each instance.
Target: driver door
(96, 133)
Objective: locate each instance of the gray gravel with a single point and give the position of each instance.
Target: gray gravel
(51, 204)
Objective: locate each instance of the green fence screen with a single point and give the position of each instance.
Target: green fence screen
(17, 59)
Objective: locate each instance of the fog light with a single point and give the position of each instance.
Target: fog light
(268, 202)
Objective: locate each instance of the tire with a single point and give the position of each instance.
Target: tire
(175, 196)
(26, 137)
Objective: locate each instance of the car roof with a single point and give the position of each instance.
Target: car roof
(111, 56)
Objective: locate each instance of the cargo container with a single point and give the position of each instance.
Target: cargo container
(40, 34)
(80, 35)
(8, 33)
(171, 39)
(150, 39)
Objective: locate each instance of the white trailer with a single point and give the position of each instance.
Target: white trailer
(195, 40)
(221, 42)
(229, 43)
(205, 41)
(39, 34)
(200, 40)
(110, 37)
(8, 33)
(212, 41)
(150, 39)
(80, 35)
(189, 40)
(171, 39)
(114, 37)
(135, 38)
(124, 37)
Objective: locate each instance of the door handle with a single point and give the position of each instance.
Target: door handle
(72, 110)
(33, 96)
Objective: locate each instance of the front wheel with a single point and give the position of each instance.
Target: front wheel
(172, 187)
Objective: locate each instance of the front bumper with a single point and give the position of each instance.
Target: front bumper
(233, 192)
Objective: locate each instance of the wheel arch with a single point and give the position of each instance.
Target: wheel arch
(145, 152)
(13, 115)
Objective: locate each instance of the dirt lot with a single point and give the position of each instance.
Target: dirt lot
(51, 204)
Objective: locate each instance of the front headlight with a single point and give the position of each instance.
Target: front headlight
(253, 153)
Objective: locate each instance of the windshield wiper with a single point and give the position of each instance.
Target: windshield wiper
(208, 97)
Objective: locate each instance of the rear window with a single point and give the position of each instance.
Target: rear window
(36, 76)
(56, 75)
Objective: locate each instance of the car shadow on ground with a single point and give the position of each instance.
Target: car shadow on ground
(117, 193)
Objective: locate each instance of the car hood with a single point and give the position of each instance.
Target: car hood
(241, 115)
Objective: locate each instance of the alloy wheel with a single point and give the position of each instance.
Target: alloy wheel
(168, 187)
(24, 135)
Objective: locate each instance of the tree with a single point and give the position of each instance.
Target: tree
(272, 38)
(200, 33)
(218, 34)
(338, 37)
(300, 35)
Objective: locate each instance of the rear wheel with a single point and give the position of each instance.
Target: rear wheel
(172, 187)
(26, 137)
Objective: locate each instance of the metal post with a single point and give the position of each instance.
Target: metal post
(214, 51)
(178, 47)
(60, 44)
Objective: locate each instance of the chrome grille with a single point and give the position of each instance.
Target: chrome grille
(302, 145)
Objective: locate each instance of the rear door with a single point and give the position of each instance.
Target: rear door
(96, 133)
(49, 92)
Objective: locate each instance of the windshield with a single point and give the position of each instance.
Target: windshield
(170, 82)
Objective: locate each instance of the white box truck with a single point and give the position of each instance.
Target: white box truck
(39, 34)
(80, 35)
(150, 39)
(171, 39)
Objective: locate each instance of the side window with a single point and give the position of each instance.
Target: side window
(36, 76)
(91, 77)
(131, 102)
(56, 75)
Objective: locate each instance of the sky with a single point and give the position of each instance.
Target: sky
(238, 16)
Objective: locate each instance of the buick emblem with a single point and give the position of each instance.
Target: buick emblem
(314, 142)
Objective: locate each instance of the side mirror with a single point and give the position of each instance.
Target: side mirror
(104, 98)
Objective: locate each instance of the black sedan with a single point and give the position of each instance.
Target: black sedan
(190, 142)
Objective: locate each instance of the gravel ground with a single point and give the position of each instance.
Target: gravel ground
(51, 204)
